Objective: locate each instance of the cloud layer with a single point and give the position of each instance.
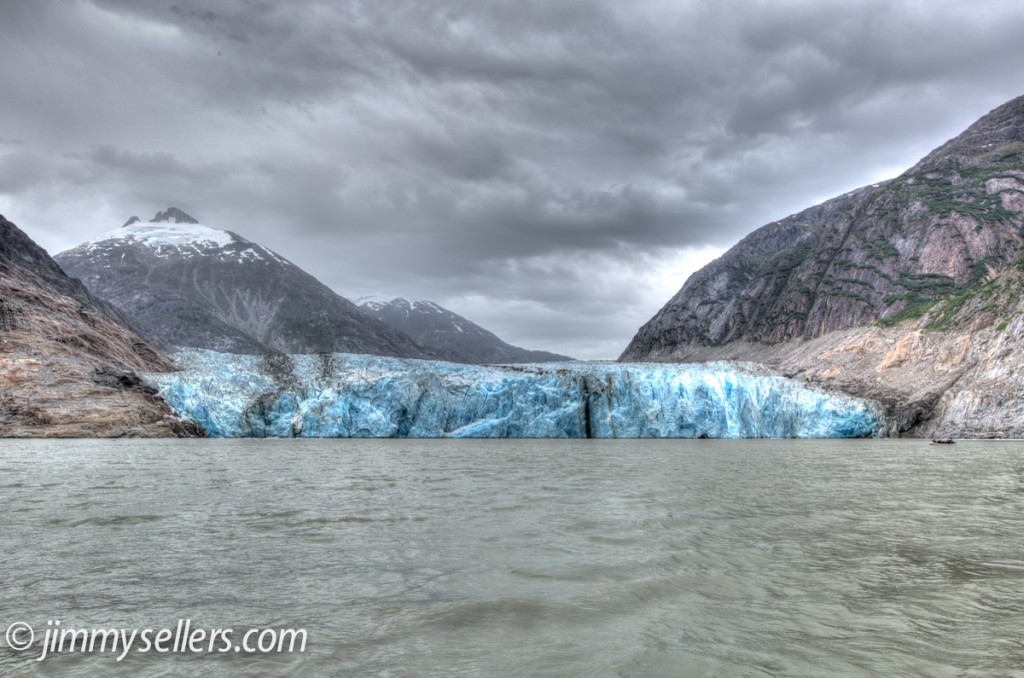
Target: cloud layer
(551, 170)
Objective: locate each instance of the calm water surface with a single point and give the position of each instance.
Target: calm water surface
(525, 558)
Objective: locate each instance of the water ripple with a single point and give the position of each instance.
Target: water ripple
(533, 558)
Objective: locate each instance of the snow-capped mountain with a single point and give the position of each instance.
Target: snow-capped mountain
(186, 284)
(449, 334)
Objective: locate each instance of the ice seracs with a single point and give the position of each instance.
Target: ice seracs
(347, 396)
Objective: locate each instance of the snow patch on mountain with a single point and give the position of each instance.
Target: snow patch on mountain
(373, 301)
(160, 234)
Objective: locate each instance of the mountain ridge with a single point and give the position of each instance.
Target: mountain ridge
(67, 363)
(450, 335)
(191, 285)
(935, 251)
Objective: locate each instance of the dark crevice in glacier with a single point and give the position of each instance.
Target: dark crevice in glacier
(588, 427)
(344, 395)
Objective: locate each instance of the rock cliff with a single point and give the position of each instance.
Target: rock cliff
(67, 361)
(907, 291)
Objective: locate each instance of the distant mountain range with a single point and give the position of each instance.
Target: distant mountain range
(907, 291)
(67, 359)
(450, 335)
(186, 284)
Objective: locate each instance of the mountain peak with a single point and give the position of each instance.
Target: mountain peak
(192, 285)
(1009, 114)
(452, 336)
(172, 215)
(995, 139)
(376, 303)
(165, 233)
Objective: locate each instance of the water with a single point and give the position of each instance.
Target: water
(532, 558)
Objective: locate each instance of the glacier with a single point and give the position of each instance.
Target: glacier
(360, 396)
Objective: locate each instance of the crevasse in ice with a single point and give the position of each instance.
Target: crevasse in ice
(344, 395)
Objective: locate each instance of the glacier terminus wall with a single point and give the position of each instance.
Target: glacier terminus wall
(358, 396)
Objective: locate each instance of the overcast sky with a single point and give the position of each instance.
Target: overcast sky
(551, 169)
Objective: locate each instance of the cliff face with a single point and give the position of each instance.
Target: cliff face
(67, 362)
(929, 259)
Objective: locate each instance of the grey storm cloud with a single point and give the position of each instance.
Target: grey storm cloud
(552, 170)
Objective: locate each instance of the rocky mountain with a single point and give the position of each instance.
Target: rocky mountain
(908, 291)
(67, 361)
(450, 335)
(187, 284)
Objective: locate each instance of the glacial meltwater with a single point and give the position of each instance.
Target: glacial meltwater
(520, 557)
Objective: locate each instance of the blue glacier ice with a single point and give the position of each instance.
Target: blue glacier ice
(344, 395)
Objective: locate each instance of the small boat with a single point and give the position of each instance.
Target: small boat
(943, 441)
